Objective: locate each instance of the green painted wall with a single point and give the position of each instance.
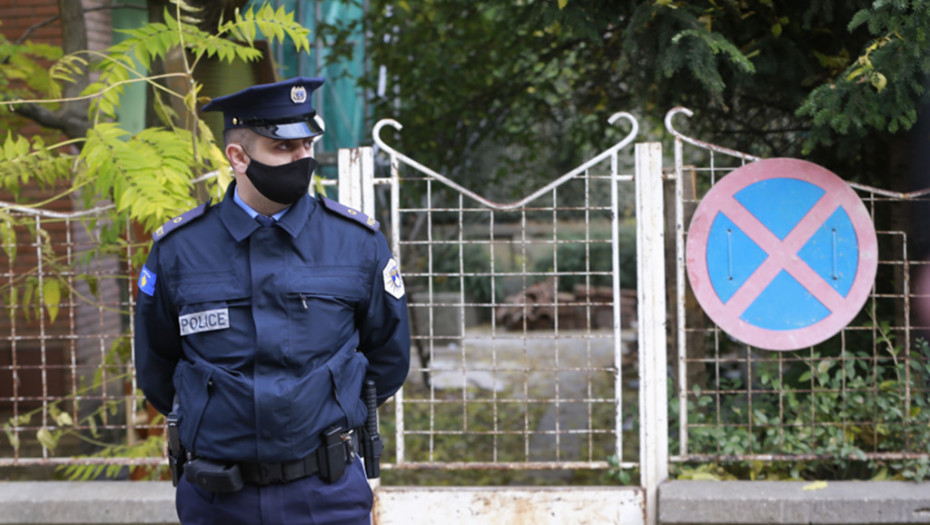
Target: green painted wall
(340, 102)
(132, 101)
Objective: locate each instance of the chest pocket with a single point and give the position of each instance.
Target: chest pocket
(214, 314)
(197, 292)
(323, 302)
(343, 284)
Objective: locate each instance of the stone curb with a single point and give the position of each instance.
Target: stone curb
(793, 503)
(90, 502)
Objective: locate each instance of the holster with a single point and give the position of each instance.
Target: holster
(335, 454)
(370, 444)
(371, 448)
(176, 453)
(213, 476)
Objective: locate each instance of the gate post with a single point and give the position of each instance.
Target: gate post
(650, 295)
(356, 179)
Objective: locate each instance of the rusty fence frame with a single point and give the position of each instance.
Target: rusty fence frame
(75, 302)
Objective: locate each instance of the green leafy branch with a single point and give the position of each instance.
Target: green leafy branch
(873, 92)
(30, 160)
(149, 176)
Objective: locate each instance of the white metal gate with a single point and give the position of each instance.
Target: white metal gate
(524, 339)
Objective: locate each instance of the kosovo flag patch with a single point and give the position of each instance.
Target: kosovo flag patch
(147, 281)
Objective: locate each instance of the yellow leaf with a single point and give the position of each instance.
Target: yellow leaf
(856, 72)
(7, 236)
(51, 296)
(817, 485)
(879, 81)
(706, 20)
(46, 438)
(64, 419)
(562, 4)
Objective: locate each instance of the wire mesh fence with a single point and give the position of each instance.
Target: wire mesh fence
(523, 342)
(518, 358)
(66, 376)
(520, 349)
(853, 406)
(513, 339)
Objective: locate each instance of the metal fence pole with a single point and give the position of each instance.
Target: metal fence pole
(356, 174)
(650, 261)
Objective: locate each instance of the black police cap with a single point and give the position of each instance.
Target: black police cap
(281, 110)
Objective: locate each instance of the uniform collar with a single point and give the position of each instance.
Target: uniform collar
(240, 224)
(251, 211)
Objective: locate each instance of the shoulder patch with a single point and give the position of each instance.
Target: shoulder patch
(350, 213)
(179, 221)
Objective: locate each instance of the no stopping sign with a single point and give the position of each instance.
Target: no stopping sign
(781, 254)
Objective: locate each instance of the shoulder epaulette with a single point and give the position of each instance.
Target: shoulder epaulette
(350, 213)
(179, 221)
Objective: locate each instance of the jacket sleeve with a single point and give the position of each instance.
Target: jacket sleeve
(384, 330)
(157, 336)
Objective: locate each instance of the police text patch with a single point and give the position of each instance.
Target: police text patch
(393, 283)
(204, 321)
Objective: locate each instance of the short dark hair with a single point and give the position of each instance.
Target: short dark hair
(243, 136)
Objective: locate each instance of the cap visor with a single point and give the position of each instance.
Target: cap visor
(292, 130)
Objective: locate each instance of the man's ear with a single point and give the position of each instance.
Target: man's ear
(237, 157)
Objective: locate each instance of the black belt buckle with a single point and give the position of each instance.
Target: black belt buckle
(334, 457)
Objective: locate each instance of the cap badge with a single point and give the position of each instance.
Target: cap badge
(298, 94)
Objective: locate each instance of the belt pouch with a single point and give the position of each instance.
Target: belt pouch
(333, 459)
(213, 476)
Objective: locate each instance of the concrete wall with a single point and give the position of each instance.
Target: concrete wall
(680, 503)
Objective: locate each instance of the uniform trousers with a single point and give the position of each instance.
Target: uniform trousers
(306, 501)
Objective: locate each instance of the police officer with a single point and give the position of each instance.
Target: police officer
(257, 321)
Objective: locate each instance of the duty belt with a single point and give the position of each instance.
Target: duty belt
(328, 462)
(313, 464)
(287, 471)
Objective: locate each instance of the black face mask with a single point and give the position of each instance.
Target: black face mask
(284, 184)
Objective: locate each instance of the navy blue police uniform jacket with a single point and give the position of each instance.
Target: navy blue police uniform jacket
(266, 334)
